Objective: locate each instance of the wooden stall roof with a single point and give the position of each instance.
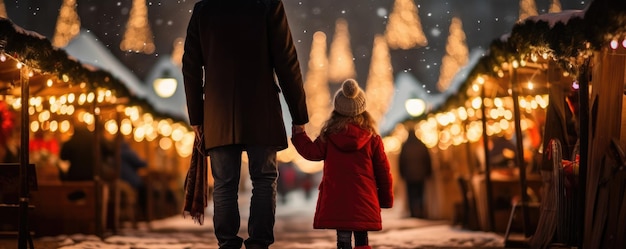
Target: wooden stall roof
(67, 75)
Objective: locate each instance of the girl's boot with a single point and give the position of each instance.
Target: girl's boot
(344, 245)
(363, 247)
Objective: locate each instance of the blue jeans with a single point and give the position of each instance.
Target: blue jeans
(226, 169)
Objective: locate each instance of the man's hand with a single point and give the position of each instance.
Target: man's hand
(198, 130)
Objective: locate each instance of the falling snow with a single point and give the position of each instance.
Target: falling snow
(483, 21)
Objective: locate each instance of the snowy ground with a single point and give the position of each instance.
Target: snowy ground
(293, 230)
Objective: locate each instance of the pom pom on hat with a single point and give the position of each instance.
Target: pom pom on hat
(350, 99)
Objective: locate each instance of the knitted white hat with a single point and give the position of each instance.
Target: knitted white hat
(350, 99)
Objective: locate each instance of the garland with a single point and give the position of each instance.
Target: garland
(37, 52)
(567, 43)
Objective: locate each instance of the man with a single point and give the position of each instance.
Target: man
(233, 49)
(415, 168)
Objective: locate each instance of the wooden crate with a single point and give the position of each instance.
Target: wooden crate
(70, 208)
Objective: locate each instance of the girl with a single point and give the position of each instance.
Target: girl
(356, 181)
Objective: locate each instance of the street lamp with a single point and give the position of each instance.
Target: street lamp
(415, 107)
(165, 86)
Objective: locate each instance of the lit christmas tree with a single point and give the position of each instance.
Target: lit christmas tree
(456, 55)
(404, 29)
(527, 8)
(178, 51)
(138, 36)
(555, 6)
(68, 24)
(3, 10)
(379, 87)
(316, 85)
(340, 61)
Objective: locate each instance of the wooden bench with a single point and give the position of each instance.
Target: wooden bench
(70, 208)
(10, 200)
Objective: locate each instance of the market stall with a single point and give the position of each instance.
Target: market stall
(541, 73)
(49, 91)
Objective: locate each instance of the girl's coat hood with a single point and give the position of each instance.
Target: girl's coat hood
(351, 139)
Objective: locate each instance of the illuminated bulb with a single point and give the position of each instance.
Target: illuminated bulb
(480, 80)
(614, 44)
(34, 126)
(126, 127)
(65, 126)
(165, 143)
(475, 87)
(111, 127)
(545, 56)
(54, 125)
(498, 102)
(624, 43)
(500, 74)
(65, 78)
(19, 65)
(530, 85)
(515, 64)
(3, 57)
(533, 57)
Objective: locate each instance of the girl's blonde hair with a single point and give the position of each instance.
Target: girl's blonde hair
(337, 123)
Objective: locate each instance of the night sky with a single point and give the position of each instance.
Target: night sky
(483, 21)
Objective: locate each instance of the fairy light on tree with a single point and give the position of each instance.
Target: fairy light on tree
(404, 29)
(316, 85)
(456, 54)
(555, 6)
(178, 51)
(340, 63)
(138, 36)
(3, 10)
(379, 87)
(68, 24)
(527, 8)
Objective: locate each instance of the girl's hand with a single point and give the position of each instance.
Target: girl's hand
(297, 129)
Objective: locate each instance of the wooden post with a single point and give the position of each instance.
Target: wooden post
(519, 154)
(97, 169)
(488, 194)
(23, 232)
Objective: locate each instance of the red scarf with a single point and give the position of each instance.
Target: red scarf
(196, 183)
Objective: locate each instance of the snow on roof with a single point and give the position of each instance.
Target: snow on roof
(88, 50)
(562, 17)
(407, 87)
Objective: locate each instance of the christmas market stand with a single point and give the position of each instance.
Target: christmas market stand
(549, 98)
(46, 91)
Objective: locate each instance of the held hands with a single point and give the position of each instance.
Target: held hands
(297, 129)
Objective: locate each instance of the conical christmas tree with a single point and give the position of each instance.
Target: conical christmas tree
(555, 6)
(456, 55)
(316, 85)
(3, 10)
(379, 87)
(138, 35)
(178, 51)
(404, 29)
(340, 61)
(68, 24)
(527, 8)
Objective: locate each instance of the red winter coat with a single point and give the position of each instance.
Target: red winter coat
(356, 182)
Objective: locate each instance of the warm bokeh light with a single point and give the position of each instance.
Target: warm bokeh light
(415, 107)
